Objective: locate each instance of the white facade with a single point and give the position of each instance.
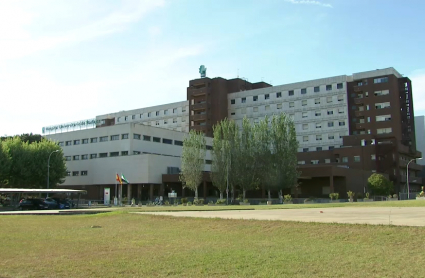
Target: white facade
(318, 107)
(420, 137)
(142, 153)
(173, 116)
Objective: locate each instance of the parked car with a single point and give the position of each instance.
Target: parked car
(32, 204)
(57, 203)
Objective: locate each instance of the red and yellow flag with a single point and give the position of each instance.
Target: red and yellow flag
(118, 179)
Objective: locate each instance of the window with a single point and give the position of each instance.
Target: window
(255, 98)
(136, 136)
(328, 99)
(317, 101)
(85, 141)
(330, 124)
(174, 110)
(167, 141)
(291, 93)
(68, 143)
(330, 136)
(314, 161)
(115, 137)
(331, 147)
(83, 173)
(303, 91)
(319, 137)
(103, 138)
(340, 110)
(304, 102)
(384, 130)
(93, 140)
(383, 118)
(305, 150)
(157, 139)
(184, 109)
(103, 155)
(339, 86)
(174, 120)
(382, 93)
(67, 158)
(305, 114)
(124, 153)
(133, 117)
(278, 94)
(93, 155)
(207, 161)
(76, 157)
(157, 123)
(140, 115)
(118, 119)
(149, 114)
(232, 101)
(124, 136)
(279, 106)
(156, 113)
(328, 87)
(146, 138)
(165, 122)
(330, 112)
(305, 138)
(232, 113)
(243, 100)
(68, 173)
(382, 105)
(356, 158)
(60, 144)
(317, 89)
(318, 113)
(136, 152)
(318, 125)
(291, 104)
(178, 143)
(84, 156)
(342, 123)
(340, 98)
(318, 148)
(267, 107)
(267, 96)
(112, 154)
(255, 109)
(380, 80)
(75, 173)
(305, 126)
(345, 159)
(327, 160)
(373, 157)
(301, 162)
(166, 112)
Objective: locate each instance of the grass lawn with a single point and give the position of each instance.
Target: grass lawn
(130, 245)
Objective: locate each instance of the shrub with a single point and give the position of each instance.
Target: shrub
(184, 200)
(166, 203)
(379, 184)
(367, 195)
(334, 196)
(189, 203)
(221, 201)
(211, 203)
(395, 196)
(287, 198)
(198, 201)
(350, 194)
(246, 201)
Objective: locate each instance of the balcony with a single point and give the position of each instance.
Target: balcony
(199, 106)
(198, 92)
(359, 100)
(358, 89)
(413, 180)
(412, 165)
(361, 125)
(198, 117)
(359, 113)
(201, 127)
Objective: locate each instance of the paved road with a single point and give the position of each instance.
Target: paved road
(384, 216)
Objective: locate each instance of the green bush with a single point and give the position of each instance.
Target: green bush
(350, 194)
(184, 200)
(189, 203)
(198, 201)
(246, 201)
(221, 202)
(367, 195)
(379, 184)
(287, 198)
(334, 196)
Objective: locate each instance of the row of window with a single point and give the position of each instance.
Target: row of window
(150, 114)
(77, 173)
(304, 102)
(123, 137)
(319, 137)
(302, 91)
(337, 160)
(319, 125)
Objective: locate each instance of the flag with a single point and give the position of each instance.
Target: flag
(118, 179)
(124, 179)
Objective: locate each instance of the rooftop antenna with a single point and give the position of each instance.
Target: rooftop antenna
(238, 73)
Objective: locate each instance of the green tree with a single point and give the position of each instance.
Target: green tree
(379, 185)
(220, 159)
(25, 137)
(4, 164)
(193, 160)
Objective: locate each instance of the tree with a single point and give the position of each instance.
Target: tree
(379, 185)
(4, 164)
(193, 157)
(27, 166)
(25, 137)
(220, 158)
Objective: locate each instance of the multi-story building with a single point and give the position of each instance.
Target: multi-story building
(348, 127)
(420, 139)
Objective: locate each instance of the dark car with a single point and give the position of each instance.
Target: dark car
(57, 203)
(32, 204)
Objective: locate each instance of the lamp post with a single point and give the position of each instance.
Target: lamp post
(48, 169)
(407, 177)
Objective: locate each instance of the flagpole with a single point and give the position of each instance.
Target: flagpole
(116, 193)
(121, 191)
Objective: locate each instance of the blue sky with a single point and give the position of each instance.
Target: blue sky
(63, 61)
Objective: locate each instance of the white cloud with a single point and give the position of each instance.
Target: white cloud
(418, 86)
(16, 41)
(309, 2)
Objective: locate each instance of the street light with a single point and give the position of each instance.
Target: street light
(48, 170)
(407, 176)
